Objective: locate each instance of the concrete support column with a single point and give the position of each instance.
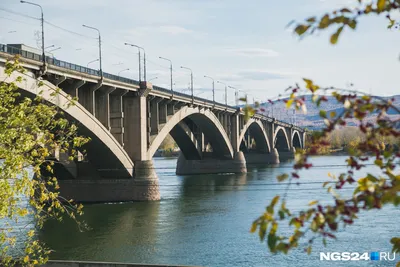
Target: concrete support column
(235, 132)
(117, 115)
(102, 107)
(155, 116)
(92, 104)
(135, 126)
(163, 114)
(72, 89)
(170, 109)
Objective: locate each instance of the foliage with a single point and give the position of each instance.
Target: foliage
(372, 191)
(168, 143)
(31, 131)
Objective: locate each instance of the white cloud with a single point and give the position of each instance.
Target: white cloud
(254, 52)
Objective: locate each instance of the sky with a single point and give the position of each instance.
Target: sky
(244, 44)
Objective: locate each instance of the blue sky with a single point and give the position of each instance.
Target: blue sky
(242, 43)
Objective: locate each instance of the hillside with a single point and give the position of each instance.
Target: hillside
(312, 119)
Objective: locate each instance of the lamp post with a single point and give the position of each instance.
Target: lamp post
(155, 78)
(191, 81)
(91, 62)
(50, 46)
(170, 62)
(101, 68)
(226, 92)
(122, 71)
(55, 49)
(42, 24)
(144, 52)
(236, 95)
(213, 86)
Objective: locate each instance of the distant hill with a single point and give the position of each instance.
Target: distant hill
(312, 119)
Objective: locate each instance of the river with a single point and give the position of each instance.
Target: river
(204, 220)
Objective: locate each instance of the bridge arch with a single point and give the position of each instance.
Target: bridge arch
(104, 151)
(259, 134)
(207, 121)
(296, 140)
(281, 140)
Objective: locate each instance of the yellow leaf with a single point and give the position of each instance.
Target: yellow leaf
(313, 202)
(253, 227)
(26, 259)
(289, 103)
(381, 5)
(274, 201)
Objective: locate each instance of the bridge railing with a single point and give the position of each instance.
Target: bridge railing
(67, 65)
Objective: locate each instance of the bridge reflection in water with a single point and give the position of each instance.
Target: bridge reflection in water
(127, 121)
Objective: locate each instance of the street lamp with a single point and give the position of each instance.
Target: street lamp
(55, 49)
(213, 86)
(144, 52)
(91, 62)
(155, 78)
(50, 46)
(191, 81)
(226, 92)
(42, 22)
(170, 62)
(236, 95)
(122, 71)
(101, 68)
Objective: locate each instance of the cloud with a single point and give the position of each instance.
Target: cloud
(174, 30)
(254, 52)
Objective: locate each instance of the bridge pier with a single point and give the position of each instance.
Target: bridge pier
(263, 158)
(211, 165)
(145, 182)
(287, 155)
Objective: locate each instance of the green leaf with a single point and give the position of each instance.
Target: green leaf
(301, 29)
(322, 113)
(335, 36)
(272, 239)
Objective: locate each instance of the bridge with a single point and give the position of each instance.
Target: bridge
(127, 120)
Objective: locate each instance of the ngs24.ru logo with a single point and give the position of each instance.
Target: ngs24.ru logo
(355, 256)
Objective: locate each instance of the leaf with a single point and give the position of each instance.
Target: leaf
(381, 5)
(272, 241)
(322, 113)
(313, 203)
(335, 36)
(309, 250)
(282, 177)
(274, 201)
(253, 227)
(289, 103)
(301, 29)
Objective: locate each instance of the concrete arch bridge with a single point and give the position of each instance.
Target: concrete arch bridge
(128, 120)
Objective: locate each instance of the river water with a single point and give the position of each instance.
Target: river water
(204, 220)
